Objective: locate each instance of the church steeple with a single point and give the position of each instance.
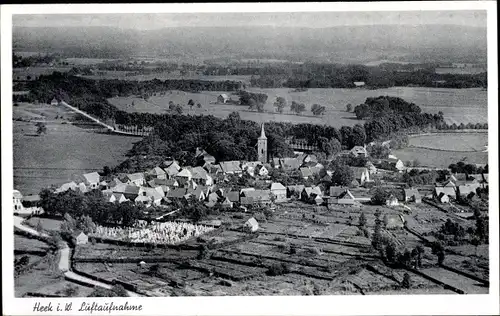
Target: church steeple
(262, 145)
(262, 132)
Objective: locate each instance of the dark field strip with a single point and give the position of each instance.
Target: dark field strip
(319, 239)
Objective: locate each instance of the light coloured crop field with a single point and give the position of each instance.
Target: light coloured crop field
(466, 142)
(438, 158)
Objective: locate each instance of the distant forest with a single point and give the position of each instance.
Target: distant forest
(226, 139)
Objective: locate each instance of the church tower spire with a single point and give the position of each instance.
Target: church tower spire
(262, 145)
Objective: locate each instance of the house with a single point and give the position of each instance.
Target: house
(54, 102)
(82, 187)
(155, 194)
(17, 201)
(371, 167)
(92, 180)
(251, 225)
(117, 197)
(306, 173)
(172, 169)
(201, 176)
(223, 98)
(466, 191)
(295, 190)
(255, 196)
(361, 174)
(196, 193)
(158, 173)
(201, 154)
(412, 195)
(310, 193)
(391, 201)
(336, 191)
(261, 171)
(443, 198)
(318, 200)
(359, 151)
(136, 179)
(79, 238)
(213, 169)
(359, 84)
(345, 198)
(184, 177)
(448, 191)
(230, 167)
(141, 199)
(67, 186)
(115, 182)
(176, 194)
(279, 191)
(290, 163)
(128, 190)
(213, 197)
(227, 203)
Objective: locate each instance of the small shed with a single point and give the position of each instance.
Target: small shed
(54, 102)
(391, 201)
(223, 98)
(251, 225)
(80, 238)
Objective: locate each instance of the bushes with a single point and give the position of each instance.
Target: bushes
(279, 269)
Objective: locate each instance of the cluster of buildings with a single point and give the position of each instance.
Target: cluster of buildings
(460, 186)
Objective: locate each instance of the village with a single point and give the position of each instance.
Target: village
(258, 220)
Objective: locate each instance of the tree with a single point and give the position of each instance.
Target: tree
(378, 151)
(171, 105)
(106, 171)
(348, 107)
(39, 226)
(178, 109)
(342, 175)
(317, 109)
(199, 105)
(297, 107)
(377, 231)
(379, 196)
(280, 104)
(358, 137)
(385, 220)
(191, 103)
(252, 104)
(260, 107)
(41, 128)
(406, 283)
(362, 220)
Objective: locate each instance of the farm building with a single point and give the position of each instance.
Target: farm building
(156, 195)
(136, 178)
(223, 98)
(412, 195)
(67, 186)
(233, 196)
(92, 180)
(361, 174)
(196, 193)
(158, 173)
(261, 170)
(79, 238)
(295, 190)
(213, 197)
(279, 191)
(391, 201)
(306, 173)
(17, 197)
(201, 176)
(184, 177)
(359, 151)
(117, 197)
(176, 194)
(128, 190)
(54, 102)
(258, 196)
(82, 187)
(359, 84)
(318, 200)
(336, 191)
(251, 225)
(141, 199)
(230, 167)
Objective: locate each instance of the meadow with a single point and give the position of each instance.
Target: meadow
(65, 150)
(457, 105)
(438, 158)
(462, 142)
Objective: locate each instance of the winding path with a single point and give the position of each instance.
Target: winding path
(65, 260)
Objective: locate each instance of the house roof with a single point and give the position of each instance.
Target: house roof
(230, 166)
(466, 190)
(252, 222)
(92, 177)
(142, 198)
(157, 171)
(446, 190)
(199, 173)
(31, 198)
(296, 188)
(196, 192)
(347, 195)
(118, 196)
(135, 176)
(359, 83)
(233, 196)
(153, 193)
(277, 186)
(411, 192)
(306, 172)
(261, 195)
(185, 173)
(290, 163)
(223, 95)
(176, 193)
(77, 233)
(312, 190)
(227, 202)
(173, 169)
(336, 191)
(358, 150)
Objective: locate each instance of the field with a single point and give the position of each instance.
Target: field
(462, 142)
(165, 75)
(320, 248)
(65, 150)
(48, 224)
(458, 105)
(32, 72)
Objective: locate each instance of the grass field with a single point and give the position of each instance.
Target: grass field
(463, 142)
(65, 150)
(458, 105)
(439, 159)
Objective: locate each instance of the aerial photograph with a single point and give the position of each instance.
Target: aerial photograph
(250, 154)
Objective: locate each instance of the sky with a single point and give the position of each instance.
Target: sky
(295, 19)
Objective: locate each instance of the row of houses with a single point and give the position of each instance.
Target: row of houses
(459, 186)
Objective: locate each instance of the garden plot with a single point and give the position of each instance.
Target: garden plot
(456, 280)
(24, 244)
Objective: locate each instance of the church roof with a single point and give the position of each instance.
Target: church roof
(262, 132)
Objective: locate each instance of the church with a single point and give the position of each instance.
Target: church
(262, 146)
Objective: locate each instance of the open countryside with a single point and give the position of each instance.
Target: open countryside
(355, 179)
